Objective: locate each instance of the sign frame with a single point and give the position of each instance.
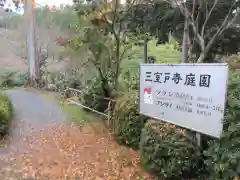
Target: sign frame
(186, 64)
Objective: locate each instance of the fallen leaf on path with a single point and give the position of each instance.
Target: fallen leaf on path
(59, 151)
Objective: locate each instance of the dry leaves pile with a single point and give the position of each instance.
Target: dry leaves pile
(57, 152)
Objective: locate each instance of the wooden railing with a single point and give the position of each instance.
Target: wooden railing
(71, 92)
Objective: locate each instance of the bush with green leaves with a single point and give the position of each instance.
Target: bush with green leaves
(12, 79)
(127, 120)
(93, 96)
(169, 152)
(129, 80)
(6, 114)
(222, 156)
(19, 79)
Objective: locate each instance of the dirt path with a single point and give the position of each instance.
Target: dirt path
(44, 146)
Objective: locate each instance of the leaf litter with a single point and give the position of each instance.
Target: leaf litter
(57, 152)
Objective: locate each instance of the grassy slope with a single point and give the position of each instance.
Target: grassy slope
(164, 53)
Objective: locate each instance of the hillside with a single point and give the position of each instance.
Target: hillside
(13, 40)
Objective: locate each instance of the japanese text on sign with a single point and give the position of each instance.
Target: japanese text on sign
(191, 96)
(188, 79)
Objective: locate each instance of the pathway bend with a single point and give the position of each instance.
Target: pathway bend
(54, 152)
(32, 112)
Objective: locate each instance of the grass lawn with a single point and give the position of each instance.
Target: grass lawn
(164, 53)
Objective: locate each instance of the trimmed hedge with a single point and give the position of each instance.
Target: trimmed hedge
(6, 114)
(169, 152)
(128, 122)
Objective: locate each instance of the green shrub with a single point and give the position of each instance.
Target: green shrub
(222, 156)
(12, 79)
(6, 114)
(19, 79)
(93, 97)
(128, 121)
(128, 80)
(169, 152)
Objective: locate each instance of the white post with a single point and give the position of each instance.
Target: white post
(30, 35)
(198, 136)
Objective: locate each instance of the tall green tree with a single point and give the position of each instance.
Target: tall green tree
(212, 26)
(104, 39)
(61, 19)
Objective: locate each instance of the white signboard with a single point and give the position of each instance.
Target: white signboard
(189, 95)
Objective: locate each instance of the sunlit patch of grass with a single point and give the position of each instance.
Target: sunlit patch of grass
(76, 112)
(164, 53)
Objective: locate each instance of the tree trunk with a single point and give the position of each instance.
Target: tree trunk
(184, 58)
(117, 61)
(205, 56)
(107, 91)
(201, 57)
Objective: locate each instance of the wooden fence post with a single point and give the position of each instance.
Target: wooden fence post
(109, 123)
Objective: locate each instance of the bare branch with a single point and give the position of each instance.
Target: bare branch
(197, 21)
(207, 17)
(180, 7)
(221, 29)
(131, 6)
(115, 12)
(192, 22)
(110, 25)
(206, 10)
(193, 8)
(225, 23)
(233, 20)
(123, 52)
(109, 68)
(199, 38)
